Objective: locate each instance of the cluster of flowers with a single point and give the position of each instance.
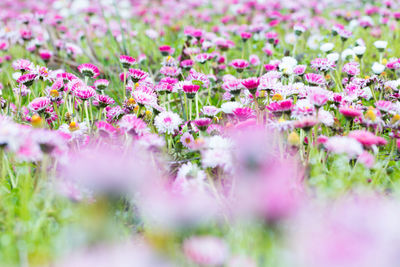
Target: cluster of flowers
(240, 120)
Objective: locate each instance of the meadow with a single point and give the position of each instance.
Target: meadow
(235, 133)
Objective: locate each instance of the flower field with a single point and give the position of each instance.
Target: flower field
(235, 133)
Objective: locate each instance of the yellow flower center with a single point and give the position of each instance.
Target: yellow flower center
(131, 101)
(73, 126)
(395, 118)
(36, 121)
(277, 97)
(370, 115)
(293, 139)
(54, 93)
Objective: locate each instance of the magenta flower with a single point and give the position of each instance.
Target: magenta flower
(367, 139)
(251, 84)
(190, 89)
(202, 123)
(350, 112)
(127, 61)
(89, 70)
(84, 92)
(137, 75)
(243, 113)
(133, 125)
(314, 79)
(23, 65)
(39, 104)
(27, 79)
(351, 68)
(239, 64)
(101, 84)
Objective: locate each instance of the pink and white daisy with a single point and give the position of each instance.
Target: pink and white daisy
(206, 250)
(127, 61)
(39, 104)
(84, 92)
(27, 79)
(314, 79)
(89, 70)
(101, 84)
(133, 125)
(167, 122)
(239, 64)
(137, 75)
(23, 65)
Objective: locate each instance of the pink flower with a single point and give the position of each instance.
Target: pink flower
(84, 92)
(202, 123)
(89, 70)
(245, 35)
(243, 113)
(127, 61)
(45, 54)
(281, 106)
(251, 84)
(105, 129)
(367, 159)
(318, 98)
(351, 68)
(145, 95)
(101, 84)
(166, 50)
(239, 64)
(315, 79)
(322, 64)
(137, 75)
(39, 104)
(104, 100)
(206, 250)
(299, 69)
(27, 79)
(187, 140)
(190, 89)
(366, 138)
(306, 123)
(385, 106)
(187, 64)
(133, 125)
(254, 60)
(350, 112)
(170, 71)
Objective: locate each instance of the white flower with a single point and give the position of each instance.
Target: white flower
(313, 41)
(344, 145)
(327, 47)
(190, 178)
(16, 75)
(348, 53)
(167, 122)
(359, 50)
(333, 57)
(378, 68)
(290, 38)
(287, 64)
(381, 45)
(325, 117)
(228, 107)
(218, 153)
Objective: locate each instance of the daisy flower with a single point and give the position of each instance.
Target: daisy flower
(127, 61)
(89, 70)
(167, 122)
(133, 125)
